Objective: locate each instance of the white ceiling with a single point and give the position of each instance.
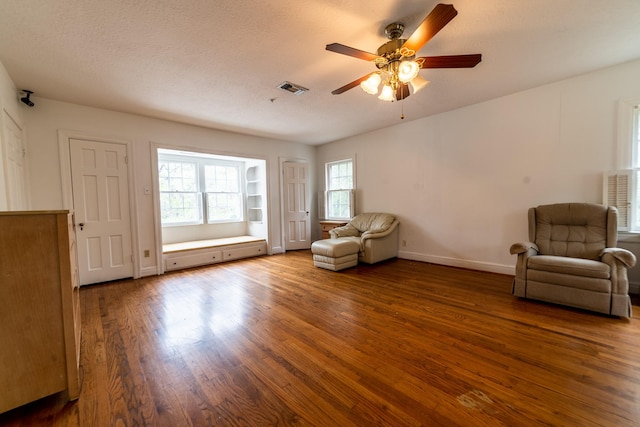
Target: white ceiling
(217, 63)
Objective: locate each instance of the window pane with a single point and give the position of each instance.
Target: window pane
(177, 176)
(636, 134)
(339, 204)
(224, 207)
(179, 208)
(340, 175)
(221, 179)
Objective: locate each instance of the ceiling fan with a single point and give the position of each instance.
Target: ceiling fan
(398, 67)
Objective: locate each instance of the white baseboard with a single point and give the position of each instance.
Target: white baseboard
(634, 287)
(462, 263)
(276, 250)
(148, 271)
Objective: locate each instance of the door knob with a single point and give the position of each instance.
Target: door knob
(81, 225)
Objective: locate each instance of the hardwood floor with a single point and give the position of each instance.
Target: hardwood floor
(275, 341)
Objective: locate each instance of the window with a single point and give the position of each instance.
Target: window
(179, 201)
(199, 189)
(222, 187)
(635, 188)
(339, 195)
(622, 187)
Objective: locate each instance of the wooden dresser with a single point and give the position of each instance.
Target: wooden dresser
(39, 307)
(326, 225)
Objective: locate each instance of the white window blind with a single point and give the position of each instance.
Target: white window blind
(617, 192)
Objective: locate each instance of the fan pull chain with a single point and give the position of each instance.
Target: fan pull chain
(402, 114)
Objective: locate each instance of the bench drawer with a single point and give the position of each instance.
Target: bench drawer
(244, 252)
(202, 258)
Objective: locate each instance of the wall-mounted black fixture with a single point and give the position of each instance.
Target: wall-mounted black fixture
(26, 99)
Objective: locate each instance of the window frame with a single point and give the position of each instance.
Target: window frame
(620, 187)
(240, 194)
(329, 190)
(198, 198)
(201, 162)
(634, 197)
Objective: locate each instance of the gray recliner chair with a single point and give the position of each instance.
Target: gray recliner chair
(572, 259)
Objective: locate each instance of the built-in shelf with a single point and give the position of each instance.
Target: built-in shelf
(254, 201)
(255, 215)
(255, 188)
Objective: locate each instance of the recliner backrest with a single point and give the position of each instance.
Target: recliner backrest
(375, 222)
(579, 230)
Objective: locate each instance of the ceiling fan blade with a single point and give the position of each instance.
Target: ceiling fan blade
(450, 61)
(402, 92)
(349, 51)
(434, 22)
(350, 85)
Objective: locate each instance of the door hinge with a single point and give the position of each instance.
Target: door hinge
(132, 258)
(126, 159)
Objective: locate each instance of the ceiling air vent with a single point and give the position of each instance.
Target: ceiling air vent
(293, 88)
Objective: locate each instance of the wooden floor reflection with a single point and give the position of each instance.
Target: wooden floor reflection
(275, 341)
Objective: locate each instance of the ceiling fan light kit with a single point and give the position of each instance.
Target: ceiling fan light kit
(371, 84)
(399, 69)
(387, 93)
(417, 84)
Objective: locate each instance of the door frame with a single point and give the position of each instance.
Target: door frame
(64, 149)
(8, 203)
(312, 218)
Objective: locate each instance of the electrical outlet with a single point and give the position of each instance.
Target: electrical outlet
(404, 243)
(147, 253)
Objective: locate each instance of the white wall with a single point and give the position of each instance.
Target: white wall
(461, 182)
(48, 116)
(10, 105)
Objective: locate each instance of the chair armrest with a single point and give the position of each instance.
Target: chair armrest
(624, 256)
(369, 235)
(344, 231)
(523, 247)
(524, 250)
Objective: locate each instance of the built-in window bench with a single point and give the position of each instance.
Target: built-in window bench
(202, 252)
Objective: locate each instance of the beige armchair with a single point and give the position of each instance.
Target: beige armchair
(572, 259)
(376, 234)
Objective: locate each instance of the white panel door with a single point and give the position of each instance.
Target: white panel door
(14, 166)
(297, 224)
(101, 203)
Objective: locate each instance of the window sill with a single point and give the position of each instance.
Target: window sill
(629, 236)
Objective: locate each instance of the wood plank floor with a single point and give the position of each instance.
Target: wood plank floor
(275, 341)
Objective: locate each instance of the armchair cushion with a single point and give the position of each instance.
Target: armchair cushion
(572, 266)
(571, 230)
(373, 222)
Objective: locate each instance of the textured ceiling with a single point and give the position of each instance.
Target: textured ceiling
(218, 63)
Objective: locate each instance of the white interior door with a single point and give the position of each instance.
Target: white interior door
(101, 203)
(297, 222)
(14, 166)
